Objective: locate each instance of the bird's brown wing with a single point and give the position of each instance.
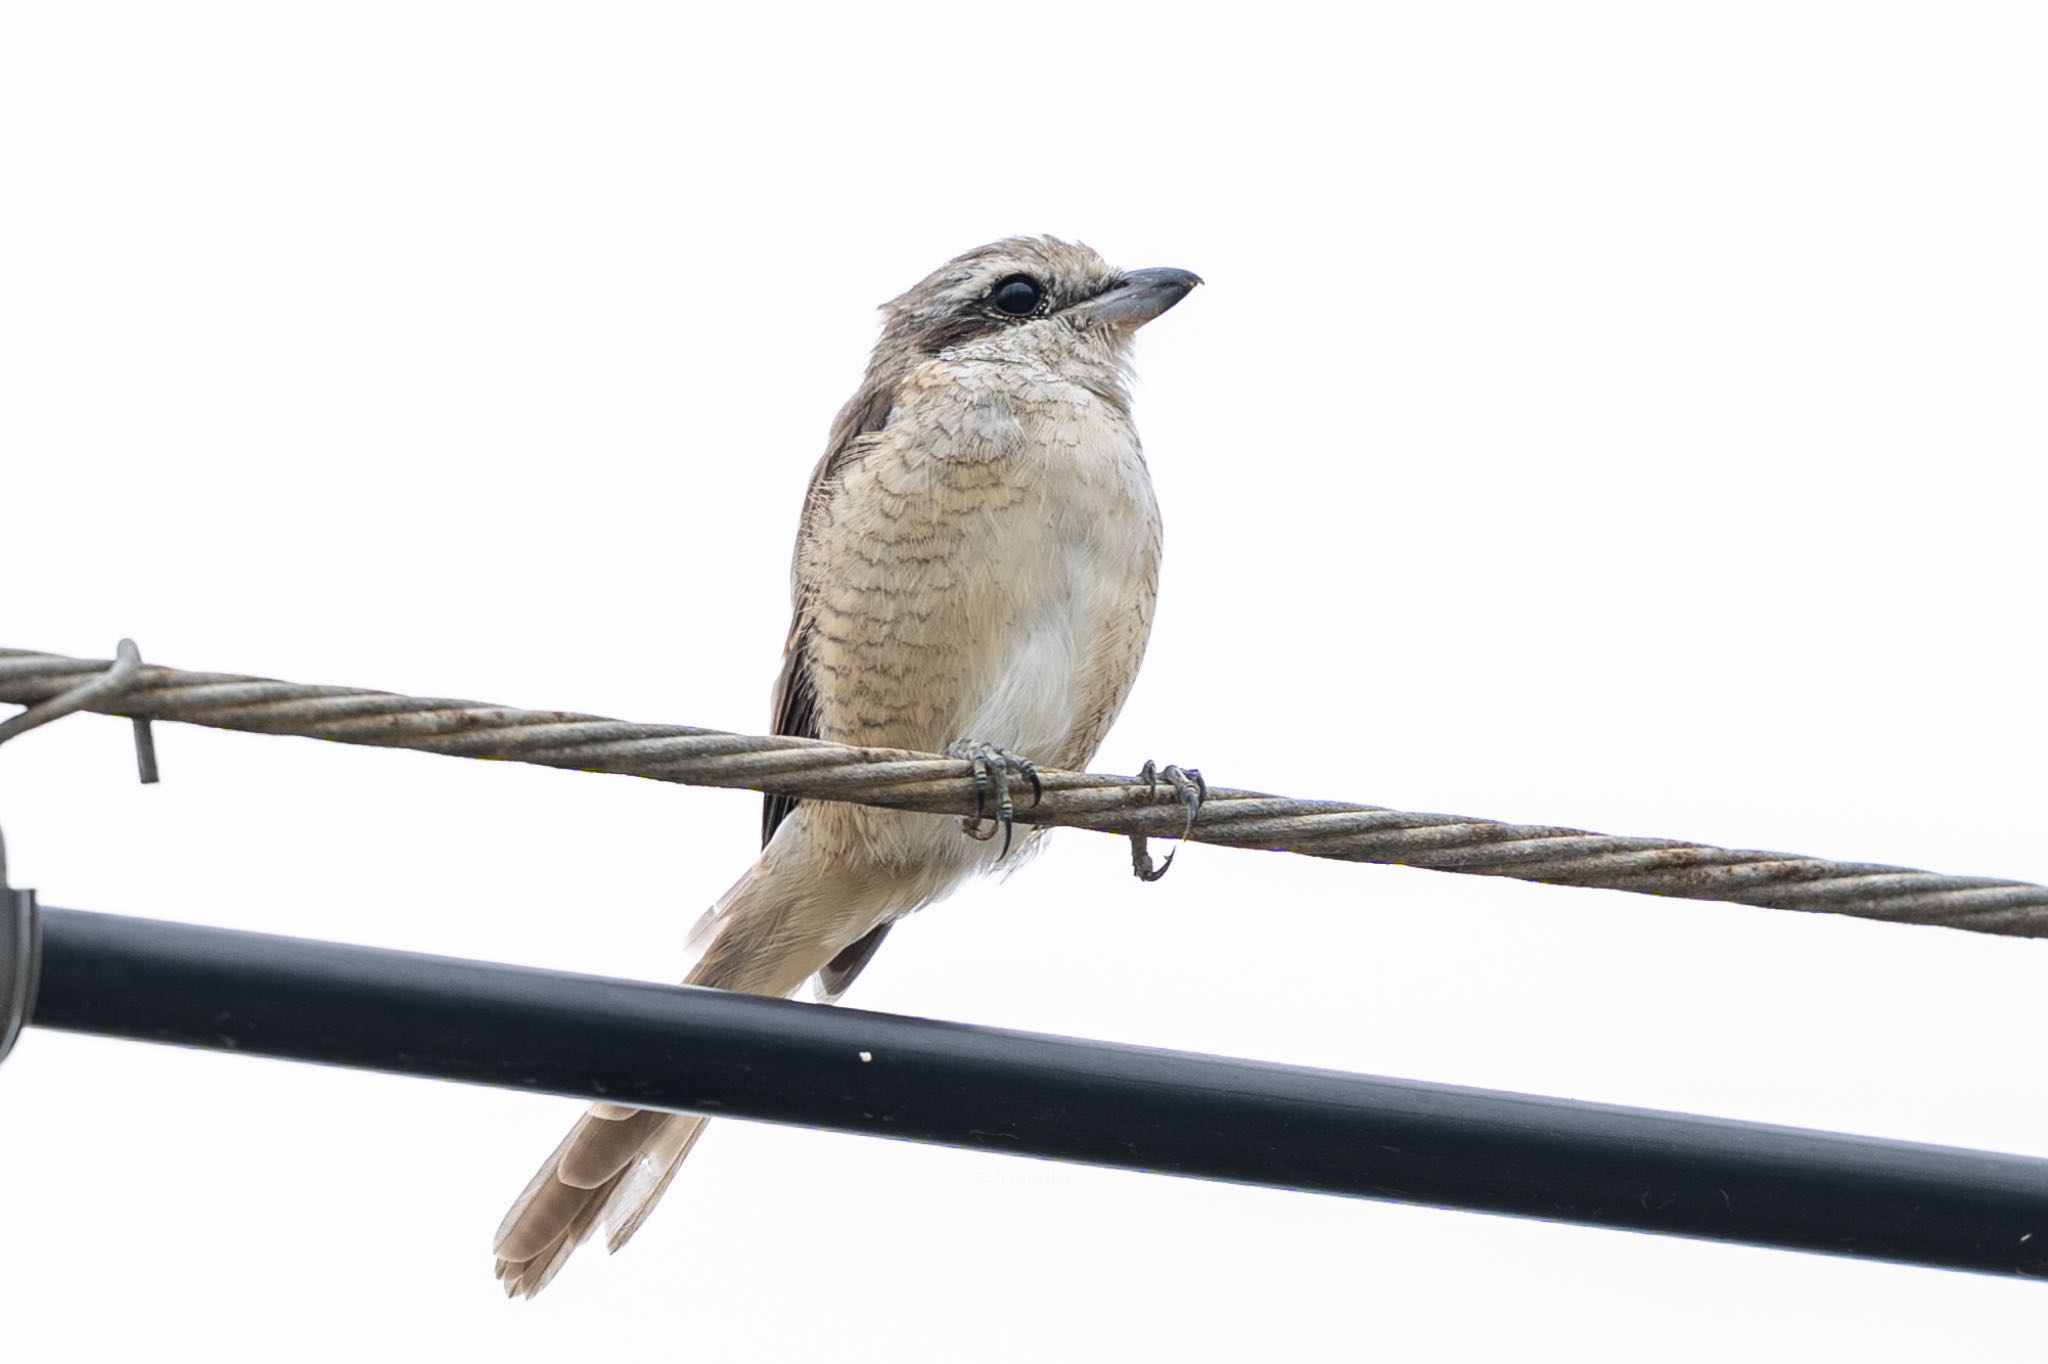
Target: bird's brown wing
(796, 697)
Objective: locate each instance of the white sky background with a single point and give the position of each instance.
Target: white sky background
(1611, 415)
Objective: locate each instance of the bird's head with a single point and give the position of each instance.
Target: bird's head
(1034, 299)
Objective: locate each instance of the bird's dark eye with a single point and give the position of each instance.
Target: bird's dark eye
(1017, 296)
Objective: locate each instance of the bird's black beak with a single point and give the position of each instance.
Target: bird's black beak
(1138, 296)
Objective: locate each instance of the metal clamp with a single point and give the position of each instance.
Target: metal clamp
(21, 957)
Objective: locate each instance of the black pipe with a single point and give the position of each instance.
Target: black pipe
(1209, 1117)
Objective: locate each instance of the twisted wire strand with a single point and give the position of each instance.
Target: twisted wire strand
(926, 782)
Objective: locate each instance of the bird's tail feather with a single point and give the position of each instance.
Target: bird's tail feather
(616, 1162)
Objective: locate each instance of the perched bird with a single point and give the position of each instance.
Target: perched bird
(975, 573)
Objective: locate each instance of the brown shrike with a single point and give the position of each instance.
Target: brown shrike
(975, 573)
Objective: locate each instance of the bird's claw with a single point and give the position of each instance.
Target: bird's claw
(992, 767)
(1190, 790)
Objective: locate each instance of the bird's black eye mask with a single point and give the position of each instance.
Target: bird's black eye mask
(1013, 298)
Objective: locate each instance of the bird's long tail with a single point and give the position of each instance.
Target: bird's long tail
(612, 1168)
(765, 937)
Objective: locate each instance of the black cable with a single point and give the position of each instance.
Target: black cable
(1027, 1094)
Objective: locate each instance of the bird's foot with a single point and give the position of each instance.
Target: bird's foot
(1186, 786)
(992, 767)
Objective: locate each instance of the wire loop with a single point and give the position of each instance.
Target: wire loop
(98, 693)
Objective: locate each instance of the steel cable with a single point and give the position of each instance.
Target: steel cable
(930, 783)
